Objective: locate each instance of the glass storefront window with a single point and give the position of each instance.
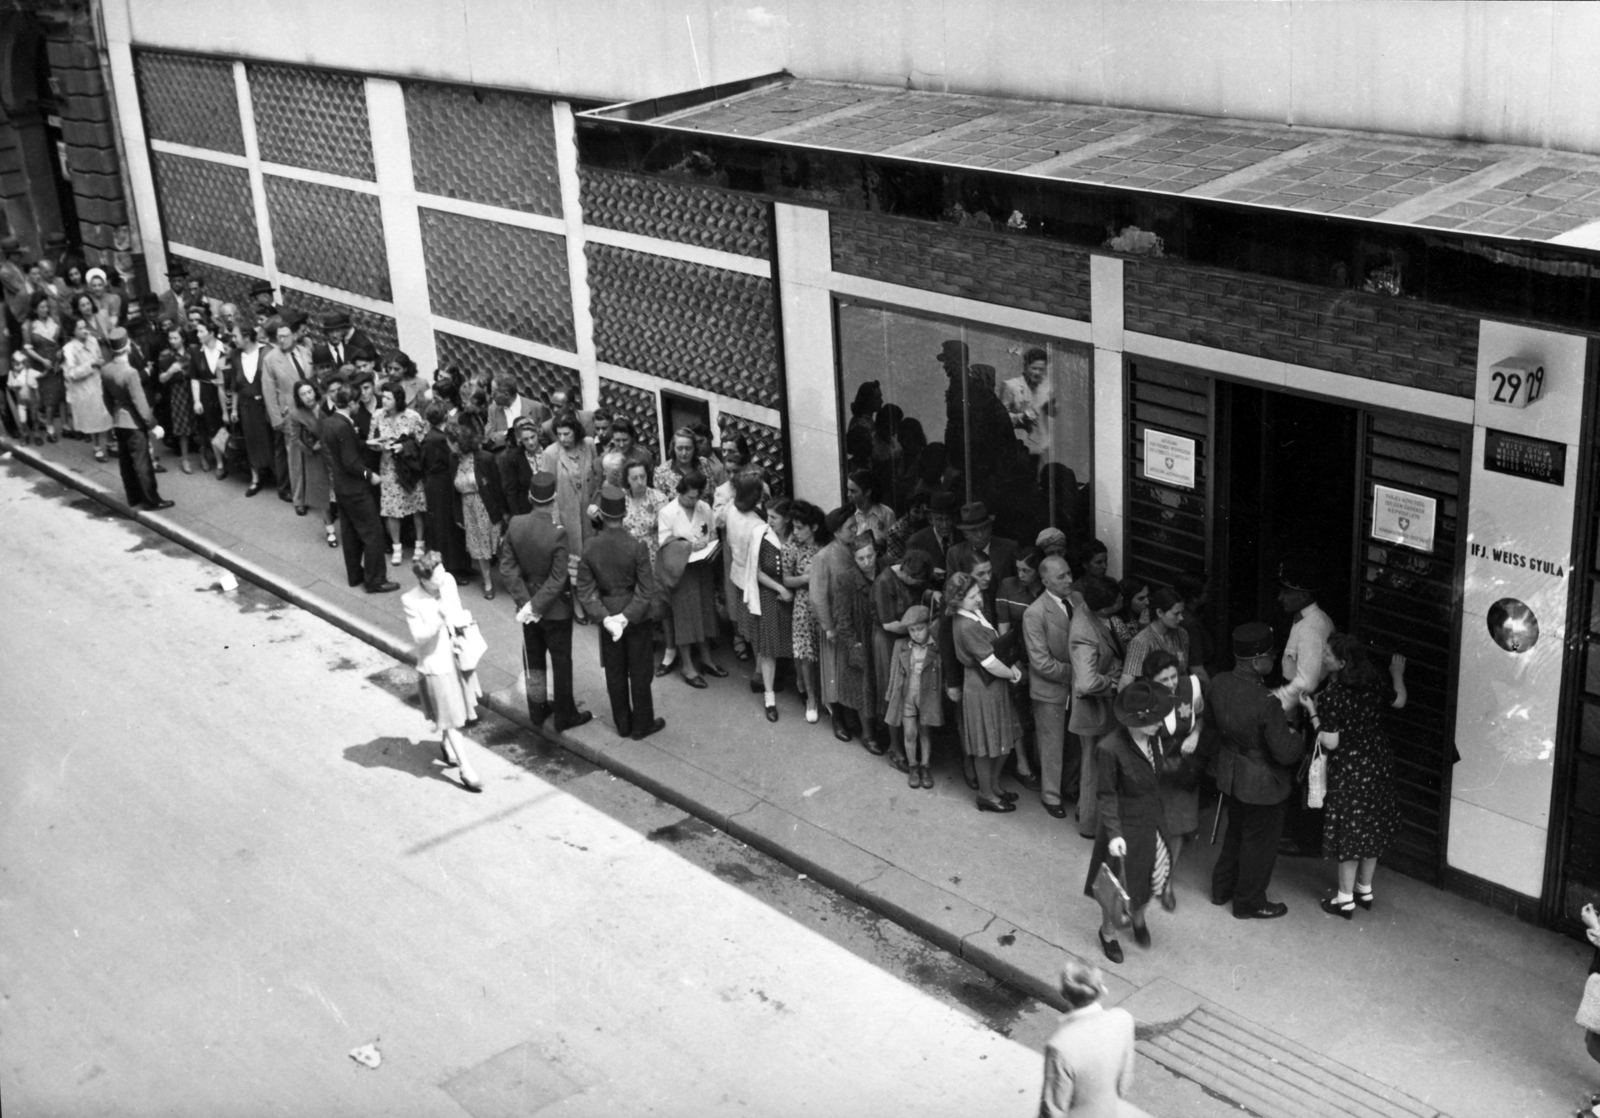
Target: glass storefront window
(991, 414)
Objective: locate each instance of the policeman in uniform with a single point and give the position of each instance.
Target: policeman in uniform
(1256, 754)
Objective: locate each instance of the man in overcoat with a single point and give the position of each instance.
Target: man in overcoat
(615, 585)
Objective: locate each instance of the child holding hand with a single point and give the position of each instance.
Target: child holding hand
(914, 703)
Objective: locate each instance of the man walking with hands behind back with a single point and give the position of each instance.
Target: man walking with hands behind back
(615, 585)
(1256, 757)
(533, 562)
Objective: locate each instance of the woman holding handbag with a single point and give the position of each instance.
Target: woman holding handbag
(449, 693)
(1360, 815)
(1133, 825)
(1180, 773)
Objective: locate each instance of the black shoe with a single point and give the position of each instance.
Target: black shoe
(157, 467)
(157, 506)
(537, 713)
(1057, 811)
(874, 746)
(1289, 848)
(1219, 900)
(841, 733)
(301, 510)
(1334, 908)
(772, 713)
(1030, 781)
(713, 669)
(970, 777)
(898, 760)
(286, 498)
(1010, 797)
(989, 805)
(663, 669)
(254, 488)
(1141, 934)
(1111, 947)
(383, 588)
(696, 681)
(583, 717)
(1364, 899)
(658, 724)
(1267, 911)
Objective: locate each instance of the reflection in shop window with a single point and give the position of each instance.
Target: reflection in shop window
(990, 414)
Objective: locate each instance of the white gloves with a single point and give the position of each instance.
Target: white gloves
(1117, 848)
(525, 614)
(614, 625)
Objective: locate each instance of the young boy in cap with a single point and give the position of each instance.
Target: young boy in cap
(915, 701)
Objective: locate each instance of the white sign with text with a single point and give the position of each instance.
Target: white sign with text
(1403, 518)
(1168, 459)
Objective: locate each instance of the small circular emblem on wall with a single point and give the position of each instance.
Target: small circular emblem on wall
(1513, 626)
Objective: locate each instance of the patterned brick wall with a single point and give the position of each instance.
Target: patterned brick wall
(766, 448)
(708, 328)
(670, 211)
(638, 405)
(312, 119)
(189, 101)
(328, 235)
(484, 146)
(207, 205)
(501, 277)
(379, 327)
(535, 378)
(1009, 269)
(1372, 336)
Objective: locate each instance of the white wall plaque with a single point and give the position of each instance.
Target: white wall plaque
(1168, 459)
(1403, 518)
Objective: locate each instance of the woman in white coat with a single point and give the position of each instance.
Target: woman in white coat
(449, 695)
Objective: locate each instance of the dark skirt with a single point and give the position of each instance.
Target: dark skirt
(256, 430)
(694, 606)
(772, 633)
(52, 390)
(209, 420)
(439, 525)
(180, 406)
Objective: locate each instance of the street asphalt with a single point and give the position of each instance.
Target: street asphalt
(1457, 1009)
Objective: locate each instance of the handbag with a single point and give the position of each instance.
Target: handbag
(1113, 898)
(1317, 777)
(219, 443)
(1589, 1009)
(469, 646)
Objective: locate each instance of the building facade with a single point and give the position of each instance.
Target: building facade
(1213, 343)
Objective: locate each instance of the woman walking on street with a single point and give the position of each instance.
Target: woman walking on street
(1361, 816)
(1178, 736)
(808, 531)
(81, 360)
(449, 695)
(989, 721)
(393, 423)
(1133, 826)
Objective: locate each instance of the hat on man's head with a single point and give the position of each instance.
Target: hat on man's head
(916, 615)
(917, 564)
(294, 319)
(944, 503)
(261, 287)
(542, 489)
(613, 505)
(10, 244)
(1292, 576)
(1252, 639)
(1051, 537)
(953, 351)
(117, 339)
(337, 320)
(176, 269)
(1143, 703)
(974, 515)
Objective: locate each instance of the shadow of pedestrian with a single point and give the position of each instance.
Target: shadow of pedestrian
(418, 759)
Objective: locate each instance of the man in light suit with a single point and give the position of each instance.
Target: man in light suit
(1096, 670)
(506, 406)
(1046, 631)
(533, 562)
(1088, 1061)
(287, 363)
(615, 585)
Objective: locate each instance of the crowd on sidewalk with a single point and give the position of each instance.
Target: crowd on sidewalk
(909, 619)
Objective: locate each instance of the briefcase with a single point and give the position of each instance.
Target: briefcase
(1112, 896)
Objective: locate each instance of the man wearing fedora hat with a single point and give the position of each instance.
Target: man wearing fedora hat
(134, 422)
(938, 537)
(1256, 755)
(979, 542)
(341, 340)
(533, 562)
(615, 585)
(261, 293)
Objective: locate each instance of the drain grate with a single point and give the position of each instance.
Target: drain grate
(1268, 1075)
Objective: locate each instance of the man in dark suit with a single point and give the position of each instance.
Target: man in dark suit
(261, 304)
(518, 463)
(978, 539)
(1256, 753)
(340, 340)
(939, 536)
(134, 423)
(533, 563)
(615, 585)
(360, 529)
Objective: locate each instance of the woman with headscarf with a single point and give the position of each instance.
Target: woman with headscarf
(107, 303)
(756, 593)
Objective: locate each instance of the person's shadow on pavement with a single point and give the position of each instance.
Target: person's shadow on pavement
(419, 759)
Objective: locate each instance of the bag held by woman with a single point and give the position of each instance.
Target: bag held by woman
(1112, 896)
(1317, 778)
(1589, 1009)
(469, 646)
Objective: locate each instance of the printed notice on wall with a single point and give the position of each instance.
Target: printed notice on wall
(1403, 518)
(1168, 459)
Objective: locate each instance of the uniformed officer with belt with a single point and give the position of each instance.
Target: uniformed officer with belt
(1256, 754)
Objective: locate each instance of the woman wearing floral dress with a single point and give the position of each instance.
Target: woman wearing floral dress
(80, 362)
(1361, 816)
(644, 507)
(807, 532)
(480, 505)
(394, 422)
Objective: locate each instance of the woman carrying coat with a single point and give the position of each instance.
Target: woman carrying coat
(449, 695)
(1133, 826)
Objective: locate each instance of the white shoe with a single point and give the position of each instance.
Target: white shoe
(811, 714)
(394, 557)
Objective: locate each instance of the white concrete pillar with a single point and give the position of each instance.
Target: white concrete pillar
(141, 186)
(804, 262)
(577, 261)
(1110, 428)
(252, 155)
(402, 230)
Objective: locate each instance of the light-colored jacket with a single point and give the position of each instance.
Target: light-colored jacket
(278, 377)
(1047, 630)
(1096, 667)
(430, 620)
(1088, 1065)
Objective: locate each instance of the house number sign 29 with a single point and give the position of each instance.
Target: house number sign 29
(1516, 382)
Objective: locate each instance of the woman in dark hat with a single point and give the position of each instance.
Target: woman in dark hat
(1179, 737)
(1133, 824)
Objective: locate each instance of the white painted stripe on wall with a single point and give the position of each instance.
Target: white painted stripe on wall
(402, 230)
(364, 302)
(720, 403)
(252, 153)
(504, 341)
(322, 178)
(486, 212)
(1110, 430)
(954, 306)
(204, 154)
(141, 185)
(811, 382)
(566, 135)
(217, 260)
(692, 254)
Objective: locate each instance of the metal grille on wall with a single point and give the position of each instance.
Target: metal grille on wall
(189, 101)
(312, 119)
(716, 219)
(501, 277)
(221, 283)
(637, 404)
(766, 448)
(207, 205)
(328, 235)
(379, 327)
(534, 378)
(483, 146)
(1168, 525)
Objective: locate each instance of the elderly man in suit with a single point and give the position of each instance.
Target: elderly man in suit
(134, 422)
(518, 463)
(1046, 631)
(352, 479)
(1096, 670)
(1088, 1061)
(615, 585)
(533, 562)
(939, 536)
(282, 367)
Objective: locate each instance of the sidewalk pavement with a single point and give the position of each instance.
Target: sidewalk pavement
(1428, 1005)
